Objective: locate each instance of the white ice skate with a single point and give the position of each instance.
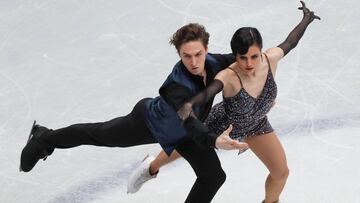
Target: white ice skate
(140, 175)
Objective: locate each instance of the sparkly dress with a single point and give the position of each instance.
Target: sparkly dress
(245, 113)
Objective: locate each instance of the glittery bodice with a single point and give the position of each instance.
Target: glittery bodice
(246, 113)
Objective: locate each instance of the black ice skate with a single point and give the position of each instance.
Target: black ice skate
(35, 149)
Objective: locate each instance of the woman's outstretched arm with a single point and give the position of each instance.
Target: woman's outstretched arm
(295, 35)
(275, 54)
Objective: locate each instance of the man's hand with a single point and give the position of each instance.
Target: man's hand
(307, 13)
(225, 142)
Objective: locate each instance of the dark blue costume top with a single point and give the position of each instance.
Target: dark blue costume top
(161, 118)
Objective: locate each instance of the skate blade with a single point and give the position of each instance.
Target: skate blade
(29, 138)
(31, 132)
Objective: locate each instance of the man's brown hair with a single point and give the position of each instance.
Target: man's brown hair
(189, 32)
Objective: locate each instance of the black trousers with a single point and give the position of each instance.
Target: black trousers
(131, 130)
(126, 131)
(207, 167)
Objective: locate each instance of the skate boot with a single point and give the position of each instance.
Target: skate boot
(36, 148)
(140, 175)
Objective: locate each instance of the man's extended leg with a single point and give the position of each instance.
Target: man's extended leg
(126, 131)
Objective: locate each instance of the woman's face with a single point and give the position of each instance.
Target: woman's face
(249, 61)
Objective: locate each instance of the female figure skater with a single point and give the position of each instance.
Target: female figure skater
(249, 91)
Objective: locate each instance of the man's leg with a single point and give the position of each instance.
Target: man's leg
(207, 167)
(126, 131)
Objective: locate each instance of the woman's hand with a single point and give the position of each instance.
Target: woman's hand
(185, 111)
(225, 142)
(307, 13)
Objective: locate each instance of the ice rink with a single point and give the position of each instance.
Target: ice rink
(65, 62)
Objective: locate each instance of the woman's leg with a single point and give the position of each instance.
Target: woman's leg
(162, 159)
(270, 151)
(148, 170)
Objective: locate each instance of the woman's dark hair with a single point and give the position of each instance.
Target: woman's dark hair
(189, 32)
(243, 38)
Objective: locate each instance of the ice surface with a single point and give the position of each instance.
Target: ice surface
(64, 62)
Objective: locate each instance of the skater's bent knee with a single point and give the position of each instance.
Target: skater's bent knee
(217, 177)
(222, 177)
(280, 174)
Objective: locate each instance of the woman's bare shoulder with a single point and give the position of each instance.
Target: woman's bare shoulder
(226, 75)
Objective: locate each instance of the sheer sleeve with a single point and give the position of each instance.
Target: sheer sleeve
(175, 95)
(295, 35)
(211, 90)
(195, 128)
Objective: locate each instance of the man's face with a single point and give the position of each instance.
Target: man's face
(193, 56)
